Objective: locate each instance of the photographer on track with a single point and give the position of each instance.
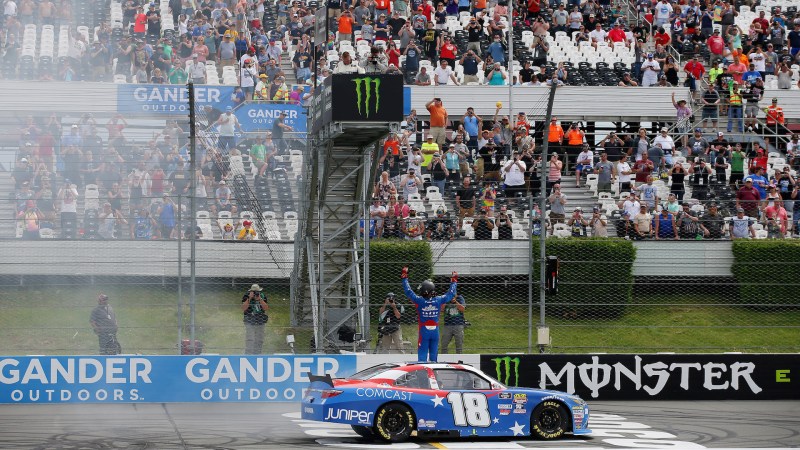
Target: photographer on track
(390, 336)
(254, 308)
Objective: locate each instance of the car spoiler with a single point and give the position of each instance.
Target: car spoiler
(326, 379)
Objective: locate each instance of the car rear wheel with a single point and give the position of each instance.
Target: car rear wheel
(365, 432)
(549, 420)
(394, 422)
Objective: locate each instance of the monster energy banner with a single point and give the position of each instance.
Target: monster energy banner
(367, 98)
(662, 377)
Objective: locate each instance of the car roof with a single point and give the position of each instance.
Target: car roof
(396, 370)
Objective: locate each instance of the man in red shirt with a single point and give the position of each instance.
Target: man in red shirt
(763, 24)
(643, 168)
(716, 44)
(617, 34)
(737, 69)
(748, 198)
(696, 69)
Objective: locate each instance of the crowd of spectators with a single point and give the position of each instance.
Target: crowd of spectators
(127, 189)
(473, 180)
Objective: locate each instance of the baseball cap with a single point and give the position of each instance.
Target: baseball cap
(698, 130)
(436, 155)
(74, 126)
(222, 182)
(775, 100)
(228, 109)
(24, 160)
(649, 55)
(720, 133)
(739, 210)
(194, 55)
(748, 180)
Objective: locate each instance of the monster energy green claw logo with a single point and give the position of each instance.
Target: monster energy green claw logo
(506, 362)
(369, 83)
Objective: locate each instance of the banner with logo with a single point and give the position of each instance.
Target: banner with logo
(169, 99)
(653, 377)
(367, 98)
(157, 379)
(254, 116)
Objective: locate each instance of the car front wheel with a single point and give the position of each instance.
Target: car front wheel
(394, 422)
(549, 420)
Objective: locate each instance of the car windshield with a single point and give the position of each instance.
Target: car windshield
(371, 372)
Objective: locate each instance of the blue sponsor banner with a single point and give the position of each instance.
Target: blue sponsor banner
(406, 100)
(169, 98)
(156, 379)
(254, 116)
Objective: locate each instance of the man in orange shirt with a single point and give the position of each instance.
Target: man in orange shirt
(438, 122)
(775, 121)
(574, 145)
(555, 136)
(392, 145)
(346, 23)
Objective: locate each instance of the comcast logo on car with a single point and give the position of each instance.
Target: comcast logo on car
(368, 88)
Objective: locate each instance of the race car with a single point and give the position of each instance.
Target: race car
(394, 402)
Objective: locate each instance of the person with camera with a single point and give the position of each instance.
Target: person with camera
(390, 336)
(254, 308)
(514, 171)
(428, 306)
(470, 62)
(474, 33)
(577, 223)
(375, 62)
(482, 227)
(454, 324)
(104, 323)
(504, 224)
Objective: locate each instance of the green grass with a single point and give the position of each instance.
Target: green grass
(55, 321)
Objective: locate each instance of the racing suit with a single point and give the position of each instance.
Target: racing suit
(428, 317)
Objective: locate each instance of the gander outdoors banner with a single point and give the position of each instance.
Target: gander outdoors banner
(653, 377)
(169, 99)
(157, 379)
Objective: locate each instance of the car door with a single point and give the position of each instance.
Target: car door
(471, 401)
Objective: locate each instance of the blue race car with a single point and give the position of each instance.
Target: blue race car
(394, 402)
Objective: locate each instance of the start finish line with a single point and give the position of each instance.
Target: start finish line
(160, 379)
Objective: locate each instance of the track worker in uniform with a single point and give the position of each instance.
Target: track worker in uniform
(428, 308)
(254, 307)
(104, 324)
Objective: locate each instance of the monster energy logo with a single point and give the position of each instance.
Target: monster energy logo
(370, 84)
(506, 363)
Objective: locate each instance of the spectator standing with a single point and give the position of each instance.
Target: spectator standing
(605, 173)
(584, 164)
(466, 199)
(557, 201)
(630, 205)
(624, 174)
(742, 226)
(577, 223)
(712, 223)
(454, 324)
(642, 224)
(650, 70)
(598, 223)
(254, 308)
(514, 171)
(104, 324)
(438, 120)
(483, 226)
(665, 225)
(228, 123)
(390, 334)
(748, 198)
(166, 217)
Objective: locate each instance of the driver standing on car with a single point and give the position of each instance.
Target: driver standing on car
(428, 307)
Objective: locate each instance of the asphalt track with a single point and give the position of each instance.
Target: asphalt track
(645, 424)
